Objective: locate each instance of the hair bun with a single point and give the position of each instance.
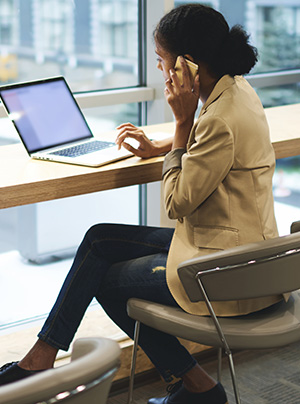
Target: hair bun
(239, 56)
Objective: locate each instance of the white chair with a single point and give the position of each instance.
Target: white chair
(86, 379)
(255, 270)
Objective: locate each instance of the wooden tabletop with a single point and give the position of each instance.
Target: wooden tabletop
(24, 181)
(284, 123)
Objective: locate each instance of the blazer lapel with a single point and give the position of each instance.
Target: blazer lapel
(223, 84)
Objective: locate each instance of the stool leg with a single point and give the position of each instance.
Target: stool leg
(233, 378)
(133, 362)
(219, 374)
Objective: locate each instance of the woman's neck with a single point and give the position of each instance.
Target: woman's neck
(207, 83)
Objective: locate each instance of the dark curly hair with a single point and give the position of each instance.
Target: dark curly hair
(203, 33)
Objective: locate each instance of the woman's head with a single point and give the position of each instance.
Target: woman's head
(203, 33)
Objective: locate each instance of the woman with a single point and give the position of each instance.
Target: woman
(217, 180)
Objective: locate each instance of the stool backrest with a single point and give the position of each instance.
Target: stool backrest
(265, 268)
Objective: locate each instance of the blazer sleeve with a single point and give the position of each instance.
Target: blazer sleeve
(189, 178)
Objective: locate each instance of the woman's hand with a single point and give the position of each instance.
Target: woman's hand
(183, 99)
(146, 147)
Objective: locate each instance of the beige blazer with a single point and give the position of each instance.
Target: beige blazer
(220, 188)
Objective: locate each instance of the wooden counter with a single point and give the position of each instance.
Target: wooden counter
(24, 181)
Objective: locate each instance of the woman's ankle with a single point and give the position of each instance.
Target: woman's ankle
(198, 381)
(41, 356)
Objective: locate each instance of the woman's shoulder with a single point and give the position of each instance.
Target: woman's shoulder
(233, 100)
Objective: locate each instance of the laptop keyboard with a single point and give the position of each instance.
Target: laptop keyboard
(84, 148)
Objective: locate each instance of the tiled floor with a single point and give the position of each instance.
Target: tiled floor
(264, 377)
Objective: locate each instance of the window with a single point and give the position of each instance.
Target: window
(278, 37)
(8, 23)
(274, 28)
(93, 43)
(287, 192)
(279, 95)
(99, 45)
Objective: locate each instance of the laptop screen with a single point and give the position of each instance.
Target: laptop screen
(44, 113)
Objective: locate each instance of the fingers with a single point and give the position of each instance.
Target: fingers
(183, 78)
(141, 146)
(129, 131)
(138, 135)
(128, 128)
(168, 87)
(186, 78)
(196, 87)
(133, 150)
(174, 79)
(128, 125)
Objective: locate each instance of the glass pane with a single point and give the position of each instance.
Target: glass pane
(279, 95)
(286, 191)
(60, 236)
(274, 26)
(211, 3)
(103, 119)
(93, 43)
(277, 37)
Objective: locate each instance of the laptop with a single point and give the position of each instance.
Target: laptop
(52, 126)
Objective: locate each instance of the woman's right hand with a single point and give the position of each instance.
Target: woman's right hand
(183, 98)
(146, 148)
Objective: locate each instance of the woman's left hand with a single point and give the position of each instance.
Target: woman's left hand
(145, 147)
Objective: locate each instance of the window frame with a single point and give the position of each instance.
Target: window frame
(278, 78)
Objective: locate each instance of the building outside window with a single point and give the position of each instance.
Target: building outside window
(94, 43)
(278, 36)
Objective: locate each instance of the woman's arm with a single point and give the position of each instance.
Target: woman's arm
(190, 178)
(183, 100)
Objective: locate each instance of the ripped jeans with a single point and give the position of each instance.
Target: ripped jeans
(114, 263)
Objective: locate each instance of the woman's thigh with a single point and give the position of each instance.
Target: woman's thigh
(117, 242)
(143, 277)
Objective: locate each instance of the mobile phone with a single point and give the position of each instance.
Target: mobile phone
(193, 68)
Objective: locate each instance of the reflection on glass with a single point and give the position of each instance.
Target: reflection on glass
(93, 43)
